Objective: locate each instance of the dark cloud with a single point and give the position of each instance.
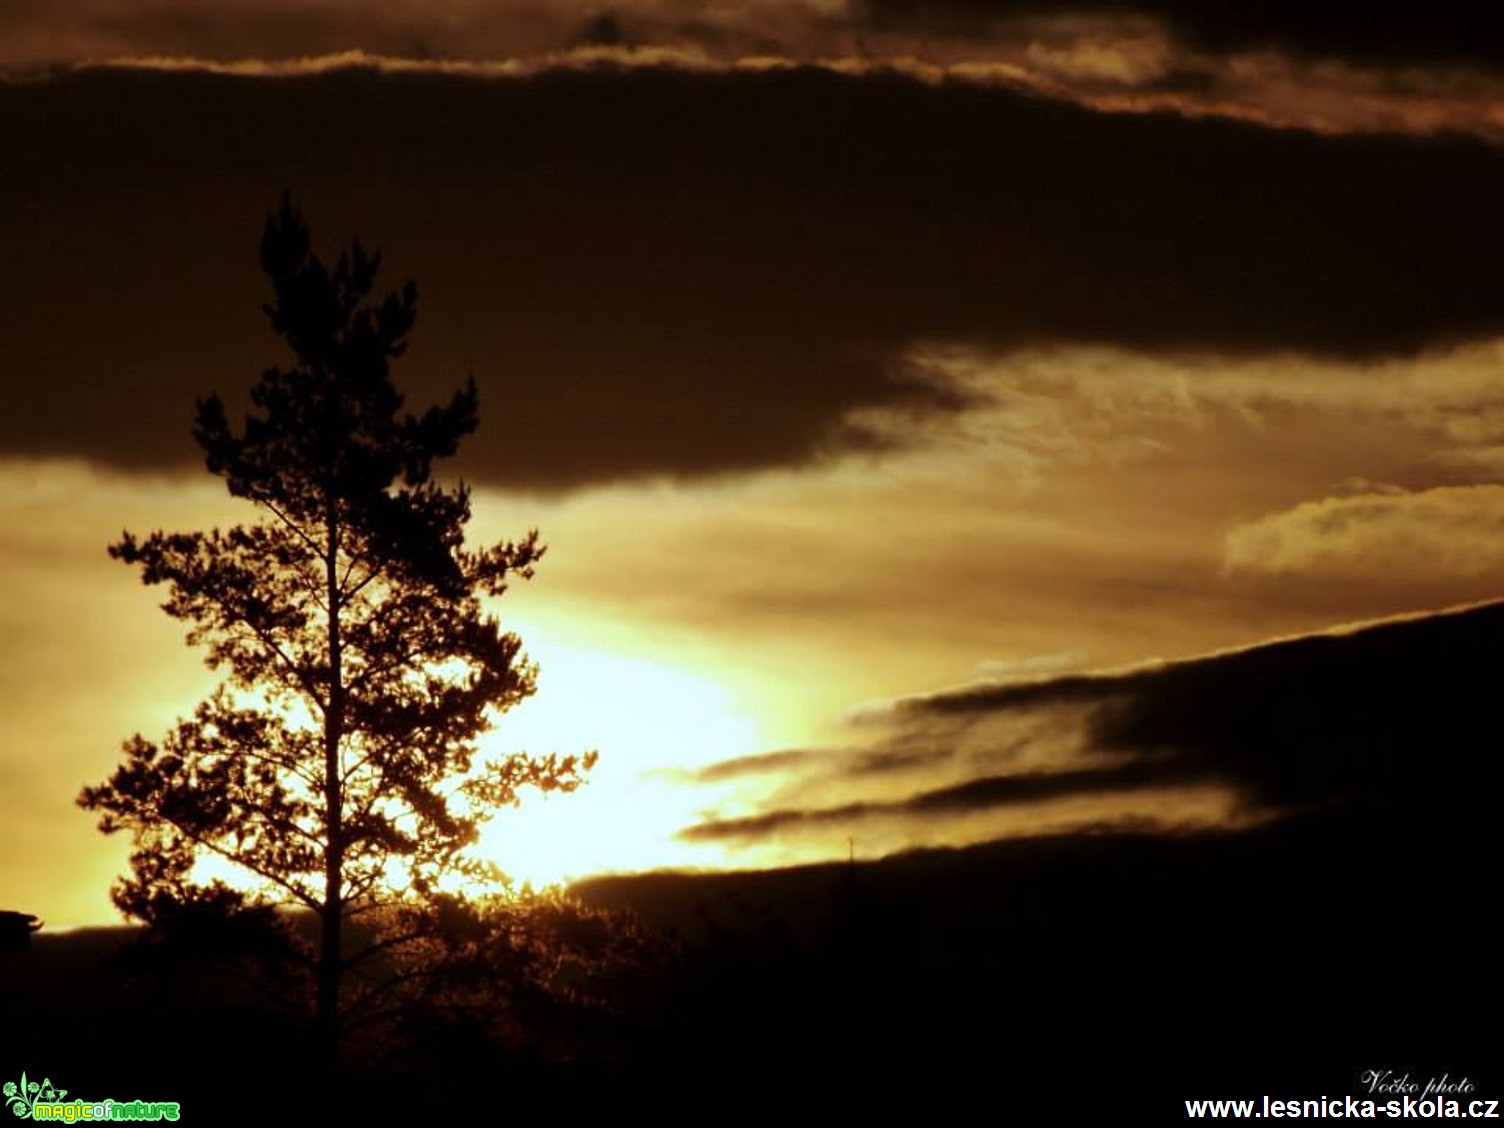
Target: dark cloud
(760, 763)
(1403, 31)
(659, 272)
(974, 795)
(1400, 32)
(1389, 709)
(1384, 718)
(851, 762)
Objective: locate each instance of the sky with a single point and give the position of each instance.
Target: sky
(945, 419)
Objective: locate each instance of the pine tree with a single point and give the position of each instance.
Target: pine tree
(337, 762)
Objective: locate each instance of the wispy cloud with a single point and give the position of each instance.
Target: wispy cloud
(1449, 530)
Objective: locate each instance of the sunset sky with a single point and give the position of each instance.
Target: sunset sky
(923, 403)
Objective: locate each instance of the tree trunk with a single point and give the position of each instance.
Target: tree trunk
(330, 963)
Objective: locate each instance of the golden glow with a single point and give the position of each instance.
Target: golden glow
(646, 719)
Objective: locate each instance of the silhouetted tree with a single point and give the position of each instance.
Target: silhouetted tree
(337, 761)
(16, 929)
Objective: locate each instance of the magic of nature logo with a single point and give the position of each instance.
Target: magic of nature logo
(41, 1100)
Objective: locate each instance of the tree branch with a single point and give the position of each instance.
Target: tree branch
(293, 526)
(298, 894)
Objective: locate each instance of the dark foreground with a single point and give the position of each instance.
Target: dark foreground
(1111, 973)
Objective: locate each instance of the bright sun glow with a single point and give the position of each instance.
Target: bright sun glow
(646, 720)
(649, 721)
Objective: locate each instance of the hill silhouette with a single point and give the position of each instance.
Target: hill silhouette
(1114, 968)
